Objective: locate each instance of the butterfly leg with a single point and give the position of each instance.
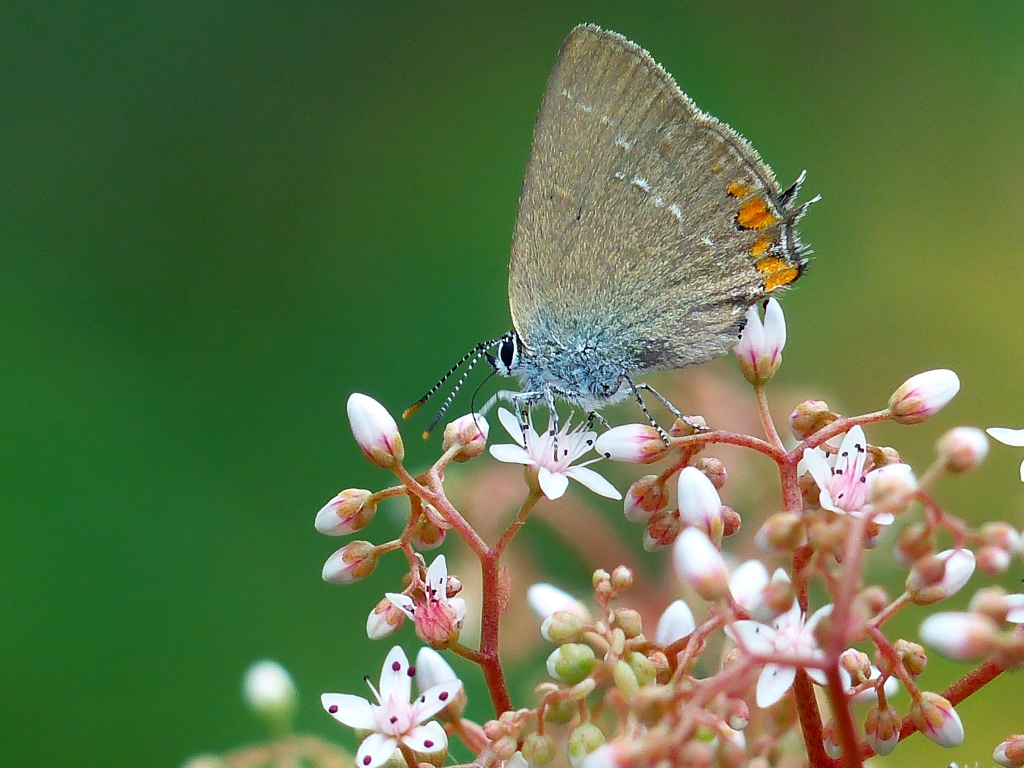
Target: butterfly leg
(643, 406)
(698, 424)
(595, 416)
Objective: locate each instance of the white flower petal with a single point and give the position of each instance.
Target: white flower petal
(774, 326)
(511, 425)
(821, 472)
(426, 738)
(394, 677)
(817, 616)
(458, 606)
(1022, 471)
(546, 599)
(817, 675)
(591, 480)
(553, 485)
(404, 603)
(510, 454)
(434, 699)
(353, 711)
(375, 750)
(1014, 437)
(675, 623)
(753, 635)
(437, 578)
(773, 683)
(432, 669)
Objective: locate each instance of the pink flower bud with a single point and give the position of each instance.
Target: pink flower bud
(375, 431)
(962, 448)
(992, 561)
(810, 416)
(352, 562)
(699, 503)
(882, 729)
(699, 563)
(1010, 752)
(431, 670)
(830, 737)
(935, 717)
(924, 588)
(346, 513)
(633, 443)
(384, 620)
(782, 532)
(470, 432)
(961, 636)
(644, 497)
(662, 529)
(922, 395)
(759, 349)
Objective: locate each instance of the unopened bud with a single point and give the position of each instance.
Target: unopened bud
(643, 668)
(1010, 752)
(356, 560)
(375, 431)
(699, 503)
(346, 513)
(1002, 535)
(891, 488)
(584, 739)
(269, 691)
(809, 417)
(429, 530)
(857, 664)
(731, 521)
(912, 656)
(715, 471)
(939, 576)
(470, 432)
(622, 578)
(912, 543)
(538, 749)
(830, 737)
(685, 426)
(882, 729)
(384, 620)
(961, 636)
(431, 670)
(923, 395)
(759, 349)
(782, 532)
(571, 662)
(992, 561)
(629, 621)
(699, 563)
(962, 448)
(935, 717)
(625, 680)
(562, 627)
(662, 529)
(644, 498)
(633, 443)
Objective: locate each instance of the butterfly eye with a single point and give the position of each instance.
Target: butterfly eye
(507, 353)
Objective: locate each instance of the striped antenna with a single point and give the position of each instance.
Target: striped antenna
(476, 353)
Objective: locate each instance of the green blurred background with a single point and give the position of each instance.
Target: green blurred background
(217, 219)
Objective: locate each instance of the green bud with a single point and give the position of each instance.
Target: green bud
(538, 749)
(642, 667)
(625, 680)
(571, 663)
(585, 738)
(562, 627)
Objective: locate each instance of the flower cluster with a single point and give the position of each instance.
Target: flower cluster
(727, 670)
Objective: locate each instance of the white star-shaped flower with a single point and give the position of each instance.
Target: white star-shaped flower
(1014, 437)
(393, 718)
(789, 634)
(553, 472)
(437, 617)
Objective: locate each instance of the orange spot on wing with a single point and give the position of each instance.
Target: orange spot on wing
(771, 265)
(781, 278)
(755, 215)
(738, 190)
(761, 247)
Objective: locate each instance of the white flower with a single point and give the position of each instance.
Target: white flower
(393, 718)
(1014, 437)
(844, 487)
(699, 563)
(759, 349)
(438, 617)
(789, 635)
(553, 472)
